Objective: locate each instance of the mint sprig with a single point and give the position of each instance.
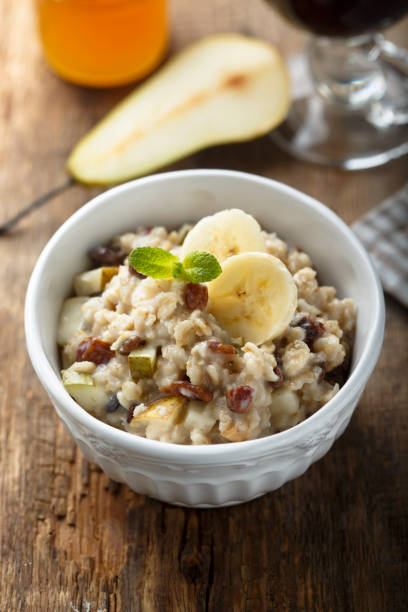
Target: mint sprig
(200, 267)
(152, 261)
(196, 267)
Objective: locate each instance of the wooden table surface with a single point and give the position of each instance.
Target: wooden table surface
(335, 539)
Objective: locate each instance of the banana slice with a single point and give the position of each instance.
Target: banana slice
(225, 234)
(255, 297)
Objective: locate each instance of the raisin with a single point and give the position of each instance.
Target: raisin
(278, 369)
(130, 411)
(340, 374)
(195, 296)
(313, 329)
(234, 366)
(107, 256)
(216, 346)
(113, 404)
(129, 345)
(239, 398)
(95, 350)
(322, 366)
(134, 272)
(192, 392)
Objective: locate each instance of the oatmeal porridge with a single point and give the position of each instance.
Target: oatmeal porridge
(250, 353)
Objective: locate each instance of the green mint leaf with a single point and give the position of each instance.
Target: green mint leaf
(152, 261)
(200, 267)
(177, 270)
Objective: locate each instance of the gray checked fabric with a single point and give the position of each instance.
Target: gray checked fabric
(384, 233)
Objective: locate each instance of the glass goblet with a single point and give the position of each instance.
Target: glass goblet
(350, 88)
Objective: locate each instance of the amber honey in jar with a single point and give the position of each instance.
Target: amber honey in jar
(103, 43)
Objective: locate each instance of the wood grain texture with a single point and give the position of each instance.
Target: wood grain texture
(70, 540)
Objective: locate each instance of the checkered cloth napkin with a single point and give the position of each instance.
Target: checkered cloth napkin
(384, 233)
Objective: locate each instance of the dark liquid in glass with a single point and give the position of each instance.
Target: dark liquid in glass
(342, 17)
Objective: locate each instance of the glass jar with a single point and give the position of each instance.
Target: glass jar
(103, 43)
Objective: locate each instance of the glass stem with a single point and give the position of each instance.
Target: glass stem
(347, 71)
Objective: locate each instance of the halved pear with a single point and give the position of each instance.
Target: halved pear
(142, 362)
(94, 281)
(224, 88)
(70, 319)
(165, 410)
(85, 391)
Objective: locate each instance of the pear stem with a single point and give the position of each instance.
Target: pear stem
(43, 199)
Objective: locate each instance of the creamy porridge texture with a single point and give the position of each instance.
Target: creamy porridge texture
(249, 354)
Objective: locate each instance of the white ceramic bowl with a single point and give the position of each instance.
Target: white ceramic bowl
(219, 475)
